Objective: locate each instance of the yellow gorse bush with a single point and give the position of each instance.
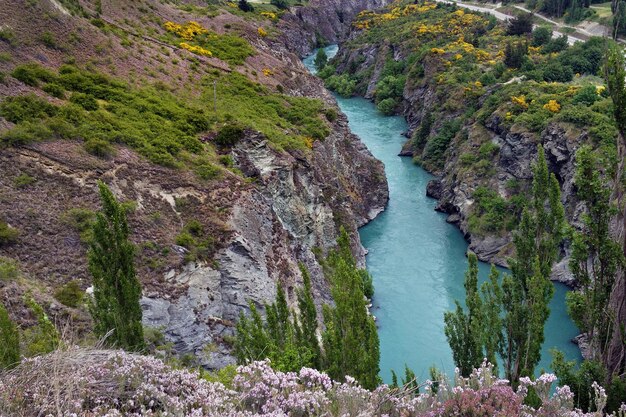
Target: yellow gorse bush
(520, 101)
(552, 106)
(262, 32)
(269, 15)
(196, 49)
(188, 31)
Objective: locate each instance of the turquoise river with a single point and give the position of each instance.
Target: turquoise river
(417, 260)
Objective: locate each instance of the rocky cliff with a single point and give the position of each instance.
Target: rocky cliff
(322, 22)
(268, 210)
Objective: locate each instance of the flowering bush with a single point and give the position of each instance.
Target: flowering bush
(114, 383)
(552, 106)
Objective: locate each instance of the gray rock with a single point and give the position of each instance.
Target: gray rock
(561, 273)
(434, 188)
(582, 340)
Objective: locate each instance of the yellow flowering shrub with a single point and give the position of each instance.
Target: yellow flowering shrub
(268, 72)
(196, 49)
(262, 32)
(552, 106)
(308, 141)
(437, 51)
(269, 15)
(600, 89)
(520, 101)
(188, 31)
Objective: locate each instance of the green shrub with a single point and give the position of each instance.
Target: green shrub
(555, 71)
(555, 45)
(343, 84)
(99, 147)
(70, 294)
(331, 114)
(7, 35)
(436, 147)
(488, 149)
(31, 74)
(86, 101)
(421, 134)
(387, 106)
(194, 239)
(81, 220)
(55, 90)
(26, 132)
(186, 240)
(9, 269)
(42, 338)
(28, 107)
(490, 212)
(229, 135)
(48, 39)
(541, 36)
(534, 121)
(586, 95)
(23, 180)
(8, 234)
(9, 341)
(207, 171)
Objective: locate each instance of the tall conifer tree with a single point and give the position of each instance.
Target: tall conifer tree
(117, 291)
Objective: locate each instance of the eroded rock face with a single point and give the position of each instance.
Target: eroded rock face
(298, 205)
(322, 22)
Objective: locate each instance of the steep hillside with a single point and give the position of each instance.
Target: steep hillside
(479, 98)
(235, 163)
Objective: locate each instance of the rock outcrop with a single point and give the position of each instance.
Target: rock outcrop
(322, 22)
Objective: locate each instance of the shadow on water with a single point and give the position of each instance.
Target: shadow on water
(418, 261)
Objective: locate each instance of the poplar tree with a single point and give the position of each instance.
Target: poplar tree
(350, 342)
(307, 320)
(9, 341)
(115, 307)
(512, 314)
(464, 330)
(527, 292)
(287, 339)
(596, 257)
(615, 74)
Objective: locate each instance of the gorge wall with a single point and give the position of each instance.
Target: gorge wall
(272, 211)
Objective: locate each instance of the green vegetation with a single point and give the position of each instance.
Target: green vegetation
(23, 180)
(508, 320)
(9, 269)
(70, 294)
(80, 219)
(350, 341)
(42, 338)
(321, 59)
(464, 331)
(194, 239)
(155, 122)
(115, 306)
(9, 341)
(8, 234)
